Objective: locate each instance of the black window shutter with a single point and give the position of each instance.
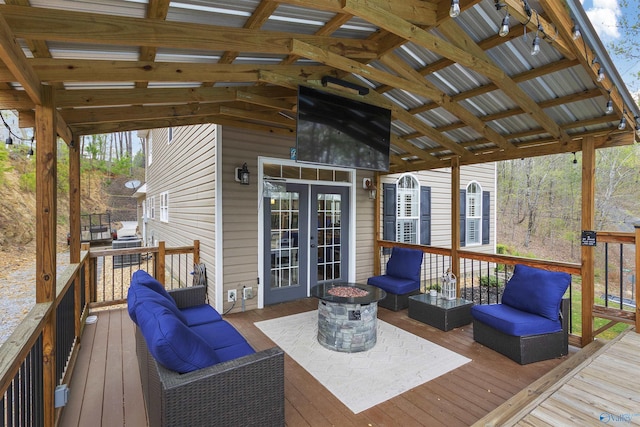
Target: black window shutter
(389, 214)
(486, 217)
(463, 217)
(425, 215)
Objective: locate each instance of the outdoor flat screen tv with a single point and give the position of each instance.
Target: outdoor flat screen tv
(337, 131)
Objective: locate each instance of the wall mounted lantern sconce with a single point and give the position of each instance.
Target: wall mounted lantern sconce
(242, 175)
(367, 184)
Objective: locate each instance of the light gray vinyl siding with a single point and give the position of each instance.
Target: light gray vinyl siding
(240, 203)
(440, 182)
(185, 168)
(365, 228)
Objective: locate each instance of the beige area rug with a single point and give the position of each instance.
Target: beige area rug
(398, 362)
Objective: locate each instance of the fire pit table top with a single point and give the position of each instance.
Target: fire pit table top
(352, 293)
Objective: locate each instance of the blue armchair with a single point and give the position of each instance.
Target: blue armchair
(402, 278)
(531, 322)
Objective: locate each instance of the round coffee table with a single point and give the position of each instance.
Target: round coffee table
(347, 314)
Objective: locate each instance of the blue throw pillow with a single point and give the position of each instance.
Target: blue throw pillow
(139, 295)
(141, 277)
(536, 291)
(171, 342)
(405, 263)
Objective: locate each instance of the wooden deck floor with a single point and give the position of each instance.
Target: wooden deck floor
(600, 388)
(105, 389)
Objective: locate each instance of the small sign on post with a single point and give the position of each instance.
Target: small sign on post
(588, 238)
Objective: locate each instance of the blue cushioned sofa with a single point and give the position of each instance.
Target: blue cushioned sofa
(196, 368)
(402, 278)
(531, 323)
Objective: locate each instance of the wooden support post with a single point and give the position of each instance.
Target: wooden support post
(588, 223)
(74, 199)
(455, 220)
(635, 282)
(159, 273)
(46, 208)
(377, 229)
(196, 251)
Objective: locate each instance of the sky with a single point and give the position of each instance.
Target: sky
(605, 16)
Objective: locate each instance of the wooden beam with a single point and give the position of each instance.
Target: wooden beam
(39, 23)
(13, 57)
(453, 32)
(74, 200)
(403, 28)
(415, 11)
(550, 31)
(90, 129)
(119, 97)
(156, 9)
(46, 212)
(637, 246)
(455, 220)
(588, 252)
(559, 14)
(65, 70)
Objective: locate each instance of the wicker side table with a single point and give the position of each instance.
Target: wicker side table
(439, 312)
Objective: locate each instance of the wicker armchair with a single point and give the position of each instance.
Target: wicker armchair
(245, 391)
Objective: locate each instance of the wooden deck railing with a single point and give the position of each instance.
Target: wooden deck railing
(27, 390)
(481, 276)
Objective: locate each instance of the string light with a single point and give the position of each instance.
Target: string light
(454, 10)
(504, 28)
(535, 47)
(623, 121)
(575, 32)
(575, 160)
(600, 74)
(609, 107)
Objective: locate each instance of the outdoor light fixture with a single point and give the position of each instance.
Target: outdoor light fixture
(623, 122)
(575, 32)
(30, 152)
(504, 28)
(9, 141)
(535, 47)
(454, 10)
(609, 108)
(242, 175)
(600, 74)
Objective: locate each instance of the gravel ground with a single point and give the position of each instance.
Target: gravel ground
(17, 288)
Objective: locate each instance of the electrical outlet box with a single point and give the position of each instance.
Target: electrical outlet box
(232, 295)
(247, 293)
(61, 396)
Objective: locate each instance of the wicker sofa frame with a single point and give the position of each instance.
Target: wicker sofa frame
(526, 349)
(244, 391)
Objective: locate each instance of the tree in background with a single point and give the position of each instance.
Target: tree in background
(627, 45)
(540, 198)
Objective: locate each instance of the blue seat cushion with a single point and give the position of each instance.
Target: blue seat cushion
(394, 285)
(219, 334)
(405, 263)
(234, 351)
(174, 345)
(536, 291)
(138, 295)
(200, 314)
(514, 322)
(143, 278)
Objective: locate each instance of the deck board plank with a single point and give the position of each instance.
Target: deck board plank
(458, 398)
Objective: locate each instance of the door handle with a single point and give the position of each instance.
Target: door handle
(313, 245)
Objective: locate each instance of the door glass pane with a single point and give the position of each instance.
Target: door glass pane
(285, 263)
(329, 231)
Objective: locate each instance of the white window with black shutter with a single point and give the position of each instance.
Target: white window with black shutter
(407, 211)
(475, 215)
